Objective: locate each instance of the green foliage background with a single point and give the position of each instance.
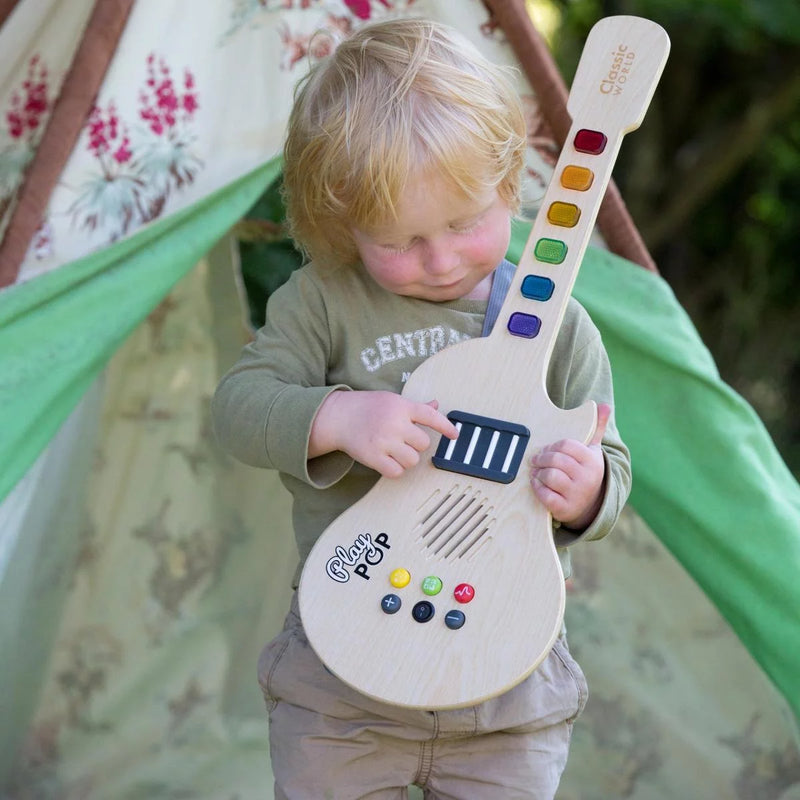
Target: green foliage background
(712, 180)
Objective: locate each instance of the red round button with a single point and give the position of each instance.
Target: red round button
(464, 593)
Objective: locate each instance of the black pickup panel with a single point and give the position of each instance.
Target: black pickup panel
(485, 448)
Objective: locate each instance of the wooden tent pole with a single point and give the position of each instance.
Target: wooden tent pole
(6, 7)
(613, 219)
(73, 105)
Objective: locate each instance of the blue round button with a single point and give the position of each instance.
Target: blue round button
(391, 603)
(454, 620)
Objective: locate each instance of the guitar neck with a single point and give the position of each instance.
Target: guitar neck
(616, 77)
(548, 267)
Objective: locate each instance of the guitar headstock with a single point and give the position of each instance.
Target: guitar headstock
(618, 72)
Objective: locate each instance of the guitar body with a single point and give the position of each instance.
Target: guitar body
(443, 588)
(494, 537)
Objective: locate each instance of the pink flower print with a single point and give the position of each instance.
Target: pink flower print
(295, 46)
(320, 47)
(160, 102)
(108, 136)
(139, 169)
(189, 99)
(16, 125)
(30, 105)
(42, 243)
(362, 8)
(123, 152)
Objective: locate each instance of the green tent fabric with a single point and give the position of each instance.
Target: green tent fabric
(707, 477)
(59, 330)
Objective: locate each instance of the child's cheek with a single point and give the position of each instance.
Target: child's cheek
(489, 246)
(391, 270)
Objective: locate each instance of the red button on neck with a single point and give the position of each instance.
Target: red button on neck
(592, 142)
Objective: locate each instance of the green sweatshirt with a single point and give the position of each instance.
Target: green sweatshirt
(329, 330)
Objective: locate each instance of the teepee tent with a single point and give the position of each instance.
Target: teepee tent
(141, 570)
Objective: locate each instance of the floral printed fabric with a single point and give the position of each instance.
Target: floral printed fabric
(37, 45)
(137, 168)
(191, 101)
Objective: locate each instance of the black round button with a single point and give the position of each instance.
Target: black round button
(391, 603)
(454, 619)
(423, 611)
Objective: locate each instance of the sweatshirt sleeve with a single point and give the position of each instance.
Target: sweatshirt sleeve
(585, 374)
(265, 405)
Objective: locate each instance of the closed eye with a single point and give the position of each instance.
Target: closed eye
(466, 226)
(399, 248)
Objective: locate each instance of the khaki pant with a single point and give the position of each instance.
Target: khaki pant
(328, 742)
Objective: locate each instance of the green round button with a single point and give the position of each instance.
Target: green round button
(432, 585)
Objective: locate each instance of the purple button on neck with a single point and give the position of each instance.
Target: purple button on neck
(526, 325)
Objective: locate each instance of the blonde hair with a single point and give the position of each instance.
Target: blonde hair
(395, 99)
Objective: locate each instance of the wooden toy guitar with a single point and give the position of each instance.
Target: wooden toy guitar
(443, 588)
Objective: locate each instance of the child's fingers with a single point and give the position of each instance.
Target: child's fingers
(429, 416)
(554, 479)
(562, 460)
(603, 415)
(417, 438)
(552, 500)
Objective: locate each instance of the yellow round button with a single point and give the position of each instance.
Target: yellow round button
(400, 578)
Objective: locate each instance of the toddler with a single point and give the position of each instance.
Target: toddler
(402, 167)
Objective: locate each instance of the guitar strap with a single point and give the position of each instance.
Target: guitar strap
(503, 276)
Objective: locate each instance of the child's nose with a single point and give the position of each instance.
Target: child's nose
(440, 258)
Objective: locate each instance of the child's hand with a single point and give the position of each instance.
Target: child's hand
(382, 430)
(567, 476)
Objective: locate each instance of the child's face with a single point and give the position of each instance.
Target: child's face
(443, 246)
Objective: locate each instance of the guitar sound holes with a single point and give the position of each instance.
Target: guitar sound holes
(451, 519)
(471, 536)
(456, 525)
(445, 505)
